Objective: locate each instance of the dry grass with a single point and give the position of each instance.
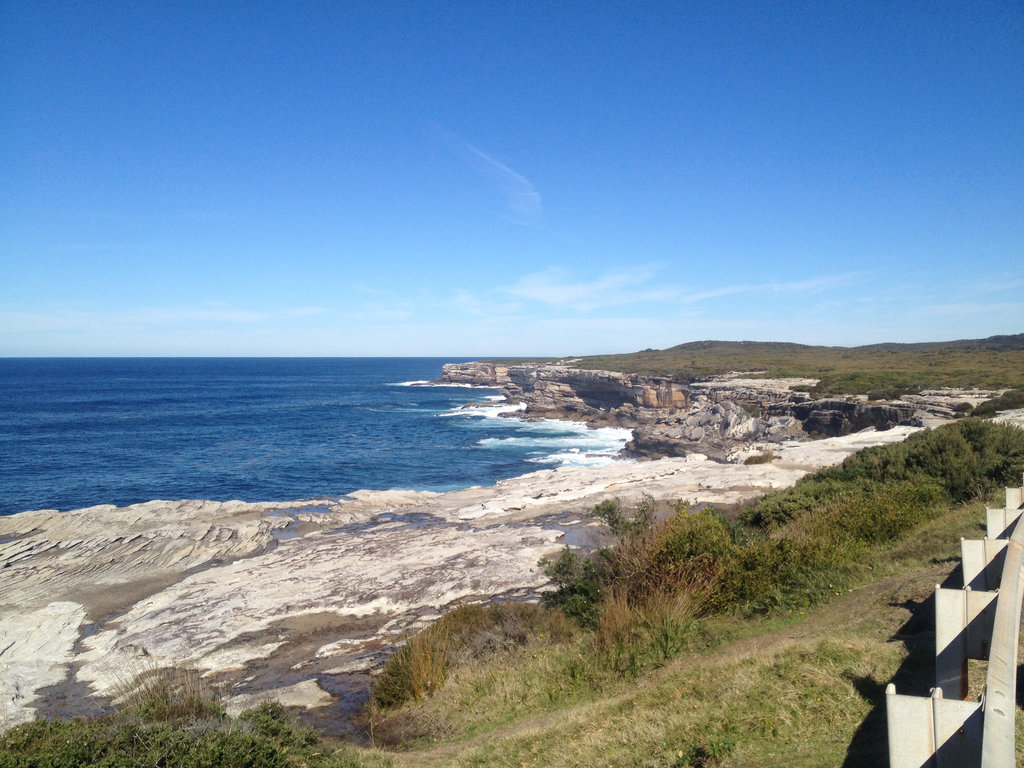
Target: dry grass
(167, 693)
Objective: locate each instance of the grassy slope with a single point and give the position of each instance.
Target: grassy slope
(797, 690)
(995, 363)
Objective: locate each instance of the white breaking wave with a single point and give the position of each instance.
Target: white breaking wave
(550, 442)
(495, 411)
(576, 458)
(425, 383)
(562, 443)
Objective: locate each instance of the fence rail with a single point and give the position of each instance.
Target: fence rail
(979, 621)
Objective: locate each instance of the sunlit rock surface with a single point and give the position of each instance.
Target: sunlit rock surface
(713, 416)
(277, 599)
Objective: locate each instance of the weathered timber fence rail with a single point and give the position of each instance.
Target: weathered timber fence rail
(980, 621)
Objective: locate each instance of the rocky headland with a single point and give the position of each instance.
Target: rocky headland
(717, 416)
(301, 600)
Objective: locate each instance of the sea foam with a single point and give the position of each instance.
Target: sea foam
(548, 441)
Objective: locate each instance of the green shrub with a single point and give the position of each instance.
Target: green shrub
(468, 633)
(793, 547)
(114, 742)
(884, 514)
(689, 551)
(166, 719)
(621, 524)
(966, 459)
(579, 584)
(273, 722)
(1013, 398)
(782, 506)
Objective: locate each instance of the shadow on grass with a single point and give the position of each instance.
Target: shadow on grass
(915, 677)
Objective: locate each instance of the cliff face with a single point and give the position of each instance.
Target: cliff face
(831, 418)
(672, 418)
(558, 391)
(604, 395)
(475, 374)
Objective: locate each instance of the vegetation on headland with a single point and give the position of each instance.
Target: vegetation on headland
(883, 371)
(695, 639)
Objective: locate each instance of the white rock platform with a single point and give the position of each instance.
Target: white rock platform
(299, 600)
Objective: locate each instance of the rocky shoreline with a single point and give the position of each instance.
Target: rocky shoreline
(717, 416)
(301, 600)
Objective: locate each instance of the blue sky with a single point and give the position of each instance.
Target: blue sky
(506, 178)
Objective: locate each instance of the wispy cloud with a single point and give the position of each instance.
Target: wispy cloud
(641, 285)
(67, 319)
(216, 313)
(522, 200)
(468, 303)
(810, 285)
(609, 290)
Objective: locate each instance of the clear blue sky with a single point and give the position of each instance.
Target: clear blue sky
(506, 178)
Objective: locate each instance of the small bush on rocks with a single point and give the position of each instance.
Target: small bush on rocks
(468, 633)
(1013, 398)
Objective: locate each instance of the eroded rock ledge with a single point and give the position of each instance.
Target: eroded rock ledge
(300, 600)
(717, 416)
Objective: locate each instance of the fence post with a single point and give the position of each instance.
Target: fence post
(933, 731)
(963, 626)
(982, 562)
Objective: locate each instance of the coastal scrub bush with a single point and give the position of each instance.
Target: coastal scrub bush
(790, 549)
(878, 384)
(880, 516)
(642, 595)
(265, 737)
(171, 718)
(621, 524)
(114, 742)
(966, 459)
(169, 694)
(273, 722)
(690, 551)
(778, 508)
(1013, 398)
(467, 634)
(580, 581)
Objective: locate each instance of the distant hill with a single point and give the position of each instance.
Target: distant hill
(883, 370)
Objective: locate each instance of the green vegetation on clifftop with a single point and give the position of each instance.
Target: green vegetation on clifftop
(887, 369)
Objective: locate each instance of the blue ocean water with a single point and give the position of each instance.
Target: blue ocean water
(75, 432)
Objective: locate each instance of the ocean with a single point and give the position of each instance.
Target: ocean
(76, 432)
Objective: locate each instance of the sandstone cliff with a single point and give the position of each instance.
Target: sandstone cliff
(559, 391)
(716, 416)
